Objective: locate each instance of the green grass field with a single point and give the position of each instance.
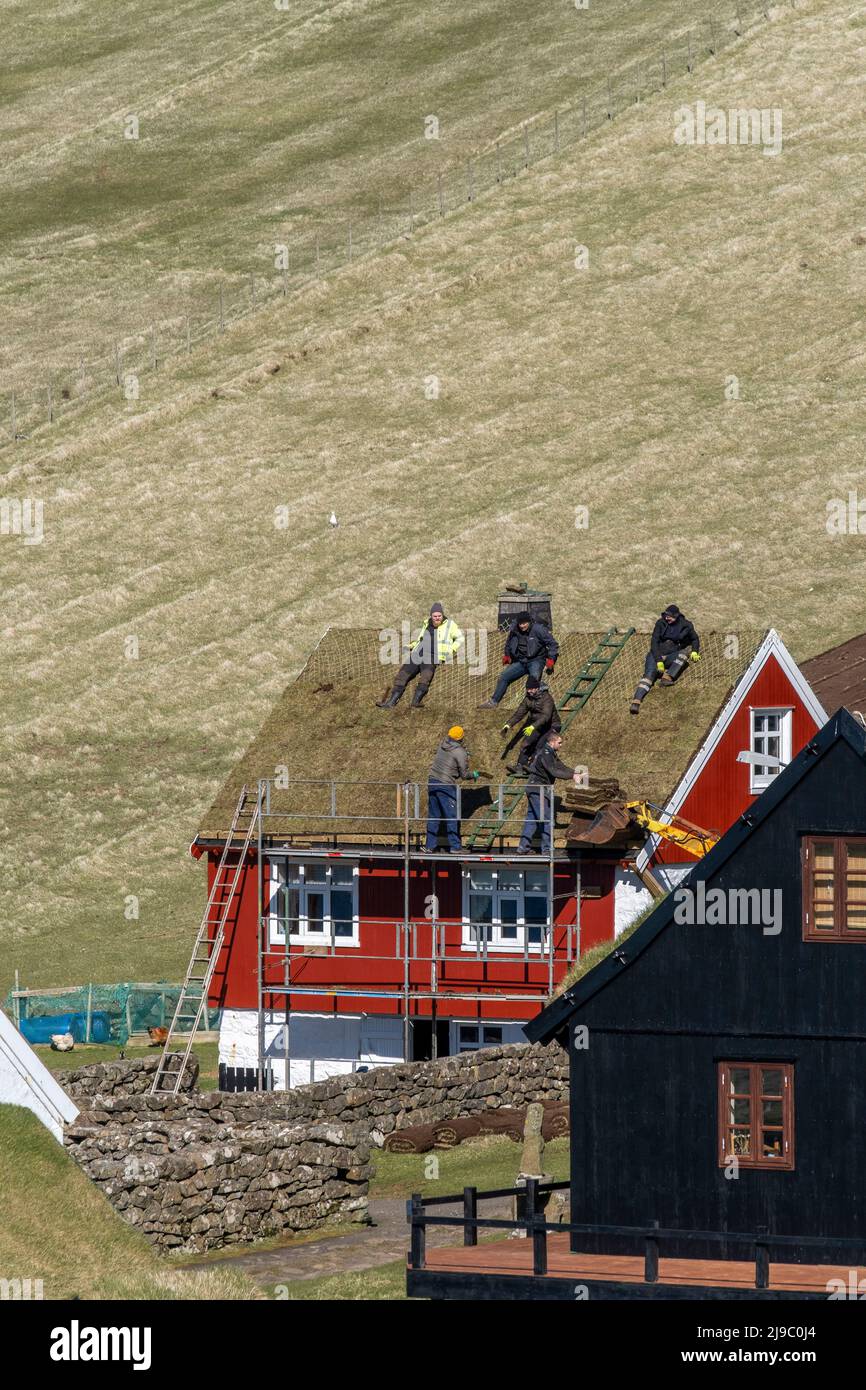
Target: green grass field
(149, 634)
(58, 1228)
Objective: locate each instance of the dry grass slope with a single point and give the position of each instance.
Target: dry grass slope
(559, 388)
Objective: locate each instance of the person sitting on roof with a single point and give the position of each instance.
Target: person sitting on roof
(530, 648)
(450, 766)
(673, 645)
(439, 639)
(538, 715)
(544, 769)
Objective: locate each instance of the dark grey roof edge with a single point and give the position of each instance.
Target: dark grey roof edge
(555, 1016)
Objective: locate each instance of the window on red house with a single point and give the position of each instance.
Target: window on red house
(315, 902)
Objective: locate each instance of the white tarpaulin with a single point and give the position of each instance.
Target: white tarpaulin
(25, 1080)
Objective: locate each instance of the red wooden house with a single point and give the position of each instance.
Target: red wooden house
(346, 945)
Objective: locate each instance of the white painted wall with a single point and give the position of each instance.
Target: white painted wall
(319, 1045)
(25, 1080)
(630, 897)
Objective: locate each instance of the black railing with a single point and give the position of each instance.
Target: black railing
(531, 1220)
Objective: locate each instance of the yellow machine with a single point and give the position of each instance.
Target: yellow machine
(619, 816)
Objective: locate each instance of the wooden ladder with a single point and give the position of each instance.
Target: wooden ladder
(192, 1000)
(585, 683)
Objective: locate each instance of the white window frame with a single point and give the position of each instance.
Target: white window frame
(459, 1046)
(278, 867)
(516, 945)
(759, 781)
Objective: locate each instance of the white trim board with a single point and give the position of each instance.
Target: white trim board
(772, 645)
(25, 1080)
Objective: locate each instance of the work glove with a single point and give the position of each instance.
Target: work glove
(660, 667)
(506, 660)
(695, 656)
(549, 664)
(530, 729)
(475, 775)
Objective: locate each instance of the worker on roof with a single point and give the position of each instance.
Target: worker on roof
(673, 645)
(449, 766)
(538, 715)
(439, 640)
(544, 770)
(530, 648)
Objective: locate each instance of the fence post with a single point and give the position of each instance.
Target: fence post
(415, 1213)
(535, 1228)
(651, 1258)
(470, 190)
(470, 1213)
(689, 62)
(762, 1260)
(712, 37)
(89, 1012)
(609, 99)
(664, 69)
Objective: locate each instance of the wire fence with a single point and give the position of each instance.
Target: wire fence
(97, 1013)
(120, 366)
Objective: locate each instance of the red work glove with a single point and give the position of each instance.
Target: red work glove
(548, 665)
(506, 660)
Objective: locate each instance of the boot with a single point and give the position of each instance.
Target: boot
(634, 707)
(393, 699)
(489, 704)
(666, 679)
(418, 699)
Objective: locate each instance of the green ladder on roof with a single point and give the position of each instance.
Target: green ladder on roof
(585, 683)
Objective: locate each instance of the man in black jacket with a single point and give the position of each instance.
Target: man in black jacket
(544, 769)
(530, 648)
(538, 715)
(673, 645)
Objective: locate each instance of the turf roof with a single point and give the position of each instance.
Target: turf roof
(326, 725)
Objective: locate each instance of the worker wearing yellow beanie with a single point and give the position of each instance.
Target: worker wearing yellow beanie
(450, 766)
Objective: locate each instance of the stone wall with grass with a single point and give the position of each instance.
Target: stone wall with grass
(207, 1169)
(124, 1077)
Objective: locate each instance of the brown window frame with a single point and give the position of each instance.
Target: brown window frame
(785, 1164)
(840, 907)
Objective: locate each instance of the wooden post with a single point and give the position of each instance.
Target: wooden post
(16, 1003)
(222, 311)
(89, 1014)
(664, 69)
(470, 1213)
(762, 1261)
(712, 36)
(651, 1258)
(416, 1244)
(609, 99)
(535, 1228)
(439, 195)
(689, 62)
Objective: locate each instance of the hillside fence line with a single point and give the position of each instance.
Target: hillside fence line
(119, 366)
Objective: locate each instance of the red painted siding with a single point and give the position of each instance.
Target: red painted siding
(721, 793)
(377, 966)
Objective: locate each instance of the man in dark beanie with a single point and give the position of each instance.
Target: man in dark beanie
(538, 716)
(673, 645)
(439, 639)
(530, 648)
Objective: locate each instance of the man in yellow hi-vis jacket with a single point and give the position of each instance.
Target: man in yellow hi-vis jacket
(440, 639)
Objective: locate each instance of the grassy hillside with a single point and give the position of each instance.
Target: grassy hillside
(559, 388)
(256, 126)
(58, 1228)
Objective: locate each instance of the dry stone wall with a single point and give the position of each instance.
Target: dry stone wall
(208, 1169)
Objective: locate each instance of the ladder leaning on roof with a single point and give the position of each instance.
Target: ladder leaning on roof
(192, 1000)
(585, 683)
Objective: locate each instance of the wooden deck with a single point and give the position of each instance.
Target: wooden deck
(487, 1271)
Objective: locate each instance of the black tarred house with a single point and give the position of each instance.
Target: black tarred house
(718, 1055)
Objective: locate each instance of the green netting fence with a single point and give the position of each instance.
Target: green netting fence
(98, 1013)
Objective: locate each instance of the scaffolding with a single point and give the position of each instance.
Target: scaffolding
(420, 943)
